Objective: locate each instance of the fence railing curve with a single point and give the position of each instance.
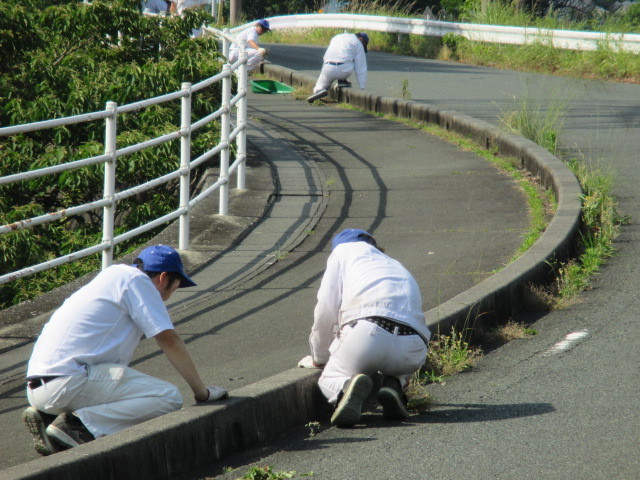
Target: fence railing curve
(231, 102)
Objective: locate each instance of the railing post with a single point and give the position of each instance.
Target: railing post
(241, 139)
(225, 124)
(108, 211)
(225, 43)
(185, 166)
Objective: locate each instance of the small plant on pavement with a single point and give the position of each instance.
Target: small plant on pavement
(448, 355)
(267, 473)
(512, 330)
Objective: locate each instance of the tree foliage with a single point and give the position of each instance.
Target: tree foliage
(62, 59)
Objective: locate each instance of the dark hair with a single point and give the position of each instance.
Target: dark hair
(173, 276)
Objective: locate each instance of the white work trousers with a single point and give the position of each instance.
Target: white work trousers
(107, 398)
(253, 58)
(364, 347)
(331, 73)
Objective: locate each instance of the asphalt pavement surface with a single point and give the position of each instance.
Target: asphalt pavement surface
(561, 404)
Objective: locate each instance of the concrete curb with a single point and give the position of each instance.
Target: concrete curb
(174, 444)
(177, 443)
(502, 295)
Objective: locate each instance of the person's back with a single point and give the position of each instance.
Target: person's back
(376, 285)
(344, 47)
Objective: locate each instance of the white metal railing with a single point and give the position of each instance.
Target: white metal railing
(110, 199)
(567, 39)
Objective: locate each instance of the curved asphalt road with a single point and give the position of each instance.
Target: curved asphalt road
(550, 407)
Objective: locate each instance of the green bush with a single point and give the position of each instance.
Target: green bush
(65, 59)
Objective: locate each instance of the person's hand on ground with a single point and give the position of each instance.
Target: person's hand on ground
(307, 362)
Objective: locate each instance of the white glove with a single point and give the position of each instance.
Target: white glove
(262, 52)
(216, 393)
(307, 362)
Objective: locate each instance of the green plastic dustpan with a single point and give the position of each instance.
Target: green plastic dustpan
(269, 86)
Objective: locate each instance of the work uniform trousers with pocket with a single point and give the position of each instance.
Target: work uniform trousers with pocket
(364, 347)
(253, 58)
(330, 73)
(107, 398)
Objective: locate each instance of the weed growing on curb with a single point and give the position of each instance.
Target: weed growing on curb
(601, 221)
(600, 216)
(449, 355)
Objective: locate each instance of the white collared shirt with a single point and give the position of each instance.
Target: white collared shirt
(347, 48)
(361, 281)
(102, 322)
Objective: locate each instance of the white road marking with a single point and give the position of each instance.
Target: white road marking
(570, 339)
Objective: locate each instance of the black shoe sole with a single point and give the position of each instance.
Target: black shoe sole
(392, 405)
(37, 427)
(317, 96)
(349, 409)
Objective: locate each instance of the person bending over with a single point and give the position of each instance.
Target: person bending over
(368, 319)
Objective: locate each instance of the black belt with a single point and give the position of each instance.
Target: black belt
(334, 63)
(34, 383)
(391, 326)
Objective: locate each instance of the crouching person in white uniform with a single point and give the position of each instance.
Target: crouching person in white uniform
(344, 56)
(79, 384)
(255, 53)
(368, 319)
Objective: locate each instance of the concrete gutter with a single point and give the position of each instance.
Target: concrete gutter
(175, 444)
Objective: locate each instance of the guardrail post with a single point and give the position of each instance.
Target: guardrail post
(241, 140)
(108, 211)
(225, 124)
(185, 166)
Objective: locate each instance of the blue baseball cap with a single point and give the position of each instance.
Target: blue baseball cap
(264, 24)
(365, 40)
(163, 258)
(352, 235)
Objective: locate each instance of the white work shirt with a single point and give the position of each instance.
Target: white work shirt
(247, 34)
(102, 322)
(347, 48)
(361, 281)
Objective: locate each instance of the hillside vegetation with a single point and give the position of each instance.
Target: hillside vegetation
(61, 59)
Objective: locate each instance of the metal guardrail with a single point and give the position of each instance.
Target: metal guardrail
(565, 39)
(110, 198)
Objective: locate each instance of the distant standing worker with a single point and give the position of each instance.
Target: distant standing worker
(368, 319)
(79, 384)
(255, 54)
(346, 54)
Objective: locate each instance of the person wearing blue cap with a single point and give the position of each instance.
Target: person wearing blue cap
(368, 319)
(344, 55)
(255, 53)
(79, 384)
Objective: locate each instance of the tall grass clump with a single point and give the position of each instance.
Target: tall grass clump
(601, 220)
(535, 121)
